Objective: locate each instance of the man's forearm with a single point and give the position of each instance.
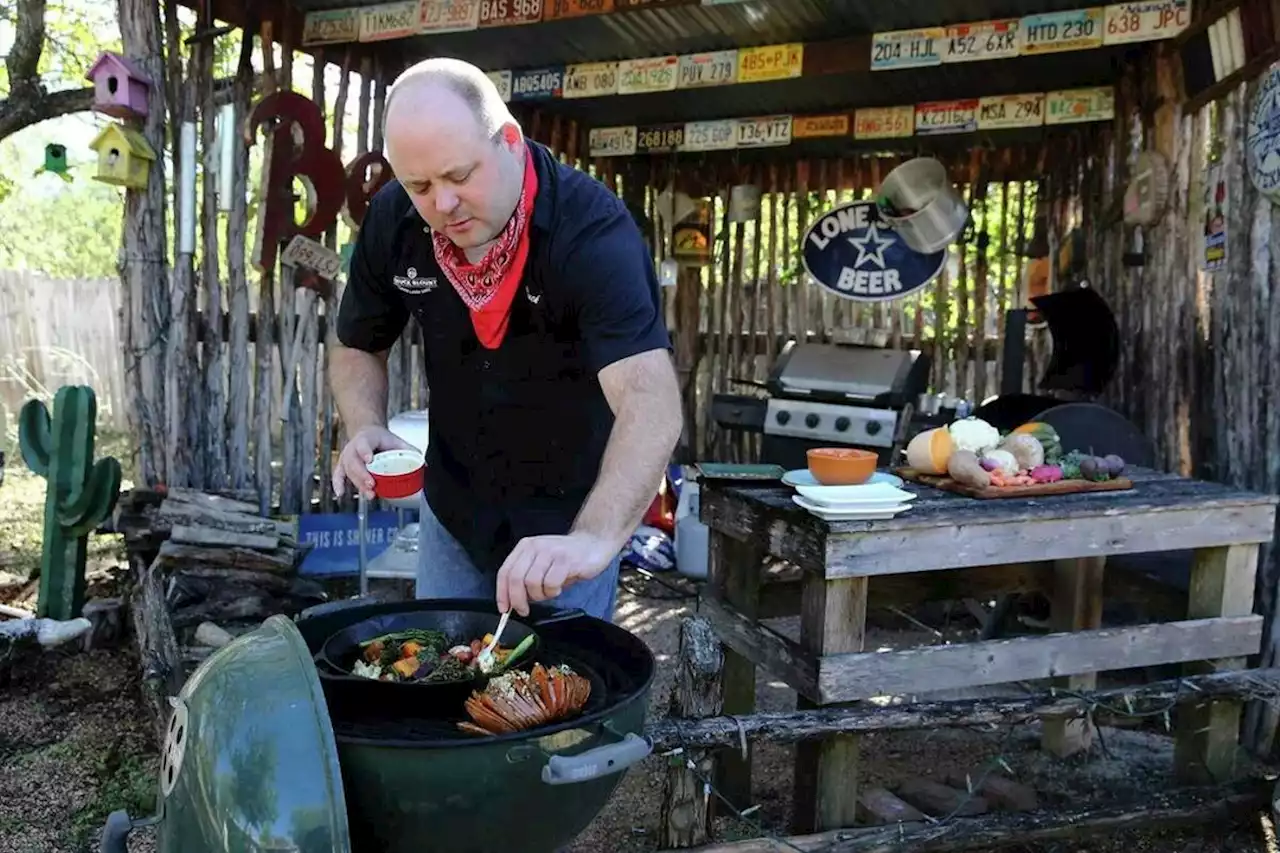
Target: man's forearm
(644, 433)
(359, 383)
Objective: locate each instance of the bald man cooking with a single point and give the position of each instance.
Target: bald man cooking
(554, 403)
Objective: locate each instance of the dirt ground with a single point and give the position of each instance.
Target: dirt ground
(74, 746)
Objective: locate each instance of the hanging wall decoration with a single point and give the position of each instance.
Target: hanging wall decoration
(852, 252)
(1262, 136)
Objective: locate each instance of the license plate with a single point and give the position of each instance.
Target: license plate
(659, 137)
(939, 117)
(502, 79)
(330, 27)
(1146, 20)
(448, 16)
(651, 4)
(575, 8)
(764, 131)
(771, 62)
(1072, 106)
(652, 74)
(537, 83)
(717, 135)
(506, 13)
(1002, 111)
(907, 49)
(591, 79)
(612, 141)
(1054, 32)
(984, 40)
(884, 122)
(813, 127)
(389, 21)
(716, 68)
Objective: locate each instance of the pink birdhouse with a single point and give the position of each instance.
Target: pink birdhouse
(120, 89)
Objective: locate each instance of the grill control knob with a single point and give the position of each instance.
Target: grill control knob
(783, 417)
(811, 421)
(873, 427)
(842, 424)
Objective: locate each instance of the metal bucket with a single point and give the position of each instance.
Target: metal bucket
(919, 203)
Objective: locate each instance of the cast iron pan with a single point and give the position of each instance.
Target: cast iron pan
(417, 698)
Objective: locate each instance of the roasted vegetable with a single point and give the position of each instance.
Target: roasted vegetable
(965, 468)
(1046, 473)
(1027, 449)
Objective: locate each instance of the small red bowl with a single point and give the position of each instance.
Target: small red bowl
(397, 473)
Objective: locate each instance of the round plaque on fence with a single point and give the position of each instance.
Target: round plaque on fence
(851, 252)
(1262, 140)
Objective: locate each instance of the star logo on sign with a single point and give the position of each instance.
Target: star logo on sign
(876, 253)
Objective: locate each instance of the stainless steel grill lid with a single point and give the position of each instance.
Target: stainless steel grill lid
(851, 372)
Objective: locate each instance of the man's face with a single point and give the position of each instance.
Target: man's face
(464, 183)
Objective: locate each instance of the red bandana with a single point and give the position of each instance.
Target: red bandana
(489, 286)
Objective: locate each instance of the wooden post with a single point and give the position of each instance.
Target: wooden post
(162, 674)
(833, 621)
(1076, 606)
(734, 571)
(686, 812)
(1222, 581)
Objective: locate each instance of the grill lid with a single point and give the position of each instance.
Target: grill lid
(857, 373)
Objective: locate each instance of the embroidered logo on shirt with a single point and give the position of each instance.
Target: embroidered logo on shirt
(410, 283)
(534, 299)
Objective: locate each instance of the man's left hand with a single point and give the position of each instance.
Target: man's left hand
(541, 567)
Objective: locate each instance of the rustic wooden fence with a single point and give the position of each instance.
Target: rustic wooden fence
(57, 332)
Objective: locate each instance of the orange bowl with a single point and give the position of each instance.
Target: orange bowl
(397, 473)
(841, 466)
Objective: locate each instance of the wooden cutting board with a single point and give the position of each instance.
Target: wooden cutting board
(1062, 487)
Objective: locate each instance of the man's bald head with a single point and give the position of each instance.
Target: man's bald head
(438, 87)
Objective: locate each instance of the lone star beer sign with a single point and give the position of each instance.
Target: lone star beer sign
(295, 132)
(851, 252)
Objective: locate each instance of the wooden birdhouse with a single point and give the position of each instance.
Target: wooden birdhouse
(124, 157)
(120, 88)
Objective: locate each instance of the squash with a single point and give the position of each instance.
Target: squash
(930, 450)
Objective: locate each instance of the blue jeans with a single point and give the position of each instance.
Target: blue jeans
(445, 571)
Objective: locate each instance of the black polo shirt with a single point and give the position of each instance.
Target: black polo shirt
(517, 434)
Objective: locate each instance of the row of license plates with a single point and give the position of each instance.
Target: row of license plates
(652, 74)
(929, 119)
(1048, 32)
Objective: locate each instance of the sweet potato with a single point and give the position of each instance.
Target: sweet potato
(963, 466)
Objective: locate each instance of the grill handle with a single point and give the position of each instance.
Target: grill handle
(119, 826)
(596, 763)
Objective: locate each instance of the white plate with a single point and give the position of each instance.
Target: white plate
(803, 477)
(866, 495)
(879, 513)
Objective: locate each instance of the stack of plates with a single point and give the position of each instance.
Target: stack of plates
(869, 501)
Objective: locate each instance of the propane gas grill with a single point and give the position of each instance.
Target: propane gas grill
(829, 394)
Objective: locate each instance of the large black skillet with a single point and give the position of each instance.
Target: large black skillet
(337, 657)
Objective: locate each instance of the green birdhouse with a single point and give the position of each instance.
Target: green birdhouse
(80, 494)
(124, 157)
(55, 158)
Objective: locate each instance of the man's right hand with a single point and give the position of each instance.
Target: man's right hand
(355, 457)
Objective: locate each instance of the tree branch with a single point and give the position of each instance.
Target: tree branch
(20, 111)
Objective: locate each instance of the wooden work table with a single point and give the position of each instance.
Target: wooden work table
(842, 564)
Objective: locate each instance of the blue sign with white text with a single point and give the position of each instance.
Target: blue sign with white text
(335, 540)
(853, 253)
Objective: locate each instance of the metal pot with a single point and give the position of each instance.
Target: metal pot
(919, 203)
(256, 759)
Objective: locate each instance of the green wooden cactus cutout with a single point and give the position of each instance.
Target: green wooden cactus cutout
(80, 495)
